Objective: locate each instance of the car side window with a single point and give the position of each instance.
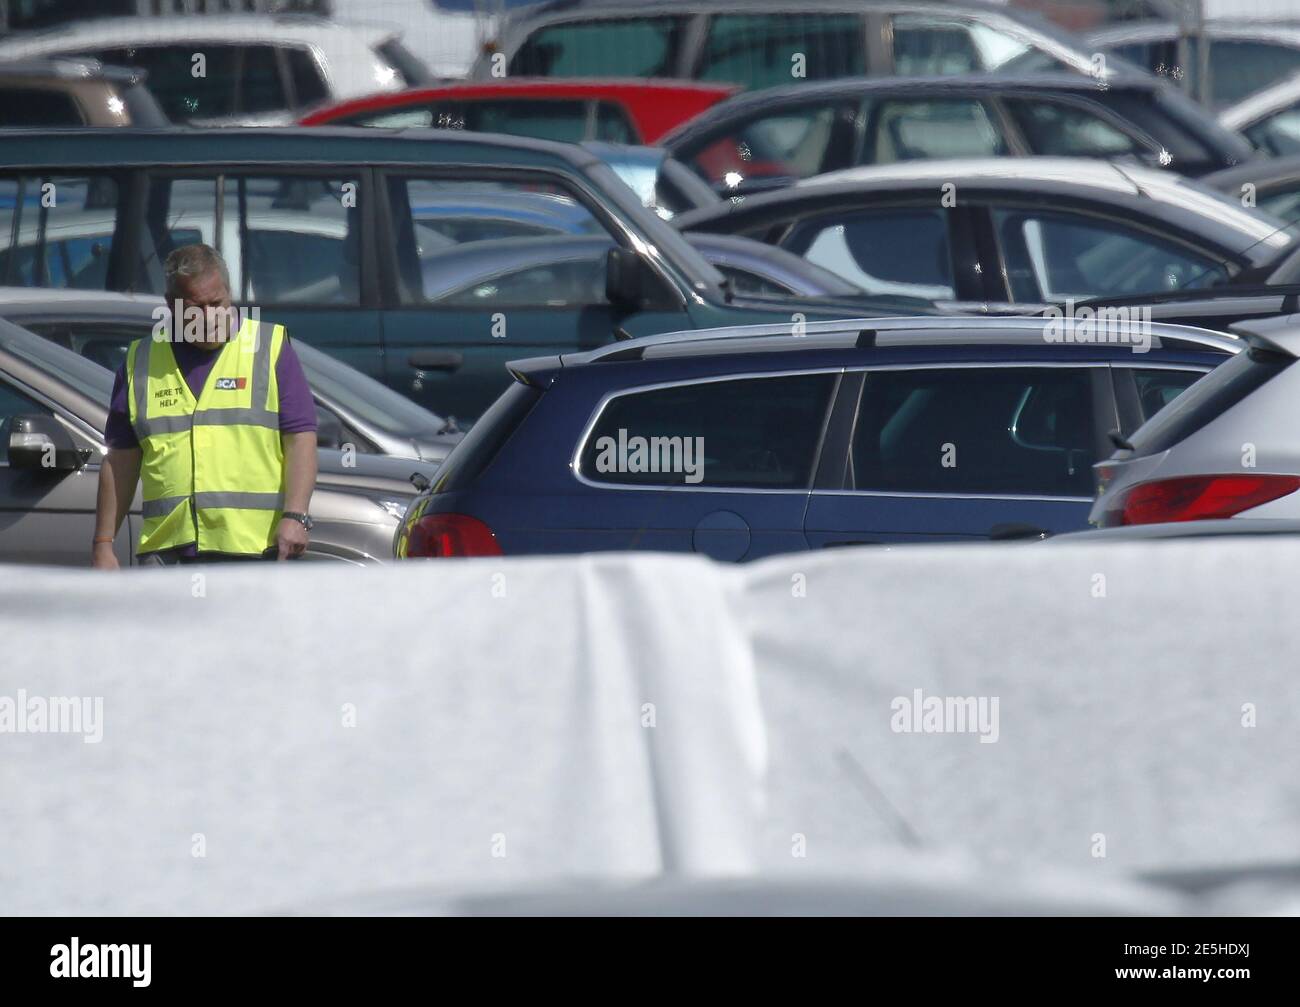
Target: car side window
(1157, 387)
(463, 242)
(184, 94)
(1277, 134)
(57, 230)
(748, 432)
(1053, 128)
(769, 50)
(908, 130)
(1282, 203)
(14, 403)
(603, 47)
(37, 106)
(308, 85)
(894, 250)
(793, 143)
(260, 86)
(561, 119)
(287, 239)
(977, 430)
(1239, 67)
(1051, 255)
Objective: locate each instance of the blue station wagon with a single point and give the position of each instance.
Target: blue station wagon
(745, 442)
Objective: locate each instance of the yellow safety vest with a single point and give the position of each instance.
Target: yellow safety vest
(212, 469)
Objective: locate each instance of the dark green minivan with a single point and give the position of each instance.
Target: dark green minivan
(424, 258)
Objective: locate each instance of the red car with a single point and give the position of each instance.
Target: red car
(632, 111)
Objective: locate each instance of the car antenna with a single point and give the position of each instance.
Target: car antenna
(621, 335)
(1119, 440)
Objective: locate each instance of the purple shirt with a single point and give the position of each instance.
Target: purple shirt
(297, 407)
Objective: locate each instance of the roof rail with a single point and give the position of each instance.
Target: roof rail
(866, 333)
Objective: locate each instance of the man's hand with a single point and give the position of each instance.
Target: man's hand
(102, 556)
(291, 538)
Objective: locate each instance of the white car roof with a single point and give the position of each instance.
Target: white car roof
(1130, 179)
(346, 49)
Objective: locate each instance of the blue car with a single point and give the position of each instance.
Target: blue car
(748, 441)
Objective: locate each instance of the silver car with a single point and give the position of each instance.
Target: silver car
(53, 406)
(351, 407)
(1226, 448)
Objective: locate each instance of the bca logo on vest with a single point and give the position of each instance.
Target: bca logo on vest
(230, 384)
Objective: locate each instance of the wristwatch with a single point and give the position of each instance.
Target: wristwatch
(303, 519)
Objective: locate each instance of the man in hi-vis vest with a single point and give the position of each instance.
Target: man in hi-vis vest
(216, 423)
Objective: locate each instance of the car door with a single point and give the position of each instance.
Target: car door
(297, 242)
(751, 442)
(961, 452)
(483, 269)
(46, 515)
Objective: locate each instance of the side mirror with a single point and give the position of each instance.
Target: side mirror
(329, 428)
(37, 441)
(624, 279)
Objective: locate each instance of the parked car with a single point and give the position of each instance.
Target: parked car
(1222, 450)
(1244, 57)
(258, 69)
(325, 230)
(44, 93)
(620, 111)
(352, 409)
(774, 137)
(764, 43)
(862, 431)
(54, 404)
(1027, 231)
(1271, 184)
(1270, 119)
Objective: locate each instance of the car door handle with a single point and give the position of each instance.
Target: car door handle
(436, 360)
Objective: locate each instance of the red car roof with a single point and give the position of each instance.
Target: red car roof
(655, 106)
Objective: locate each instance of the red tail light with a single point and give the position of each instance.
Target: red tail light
(438, 535)
(1197, 498)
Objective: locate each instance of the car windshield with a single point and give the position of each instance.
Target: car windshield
(88, 379)
(364, 397)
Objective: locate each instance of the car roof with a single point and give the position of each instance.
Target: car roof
(1261, 171)
(615, 8)
(1149, 31)
(1058, 176)
(899, 332)
(102, 146)
(209, 27)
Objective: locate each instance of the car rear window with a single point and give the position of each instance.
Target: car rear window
(472, 456)
(748, 432)
(1208, 399)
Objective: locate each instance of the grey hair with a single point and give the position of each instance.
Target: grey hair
(190, 261)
